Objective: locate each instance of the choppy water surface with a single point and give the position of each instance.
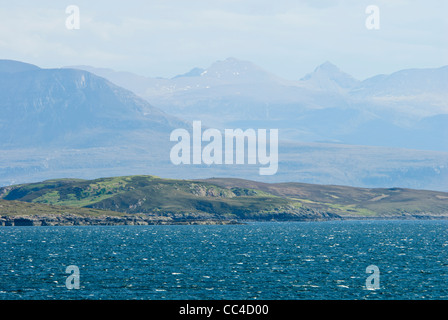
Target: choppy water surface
(309, 260)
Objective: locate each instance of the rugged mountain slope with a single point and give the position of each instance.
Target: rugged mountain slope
(43, 107)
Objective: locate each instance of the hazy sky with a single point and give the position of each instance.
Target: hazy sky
(169, 37)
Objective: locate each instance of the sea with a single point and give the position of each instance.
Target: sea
(331, 260)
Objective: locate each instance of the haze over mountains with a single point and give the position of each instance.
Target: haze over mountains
(334, 129)
(406, 109)
(67, 122)
(68, 107)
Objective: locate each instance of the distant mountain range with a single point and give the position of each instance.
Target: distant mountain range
(406, 109)
(334, 129)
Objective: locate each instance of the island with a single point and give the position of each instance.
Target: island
(151, 200)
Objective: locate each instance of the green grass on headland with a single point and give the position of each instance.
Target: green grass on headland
(221, 199)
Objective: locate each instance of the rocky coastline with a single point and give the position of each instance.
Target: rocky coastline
(78, 220)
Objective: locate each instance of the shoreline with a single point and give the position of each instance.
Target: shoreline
(78, 220)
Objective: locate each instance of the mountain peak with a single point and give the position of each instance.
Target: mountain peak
(195, 72)
(233, 63)
(328, 76)
(233, 69)
(327, 66)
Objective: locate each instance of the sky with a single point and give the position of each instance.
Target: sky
(290, 38)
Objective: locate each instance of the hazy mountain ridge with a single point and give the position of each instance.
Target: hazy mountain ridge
(71, 123)
(324, 105)
(42, 107)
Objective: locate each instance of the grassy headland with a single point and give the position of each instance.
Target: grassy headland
(155, 200)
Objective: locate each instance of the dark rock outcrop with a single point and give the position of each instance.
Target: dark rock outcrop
(77, 220)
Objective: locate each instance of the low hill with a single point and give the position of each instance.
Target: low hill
(176, 199)
(221, 199)
(353, 202)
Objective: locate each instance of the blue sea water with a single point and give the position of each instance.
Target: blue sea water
(288, 261)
